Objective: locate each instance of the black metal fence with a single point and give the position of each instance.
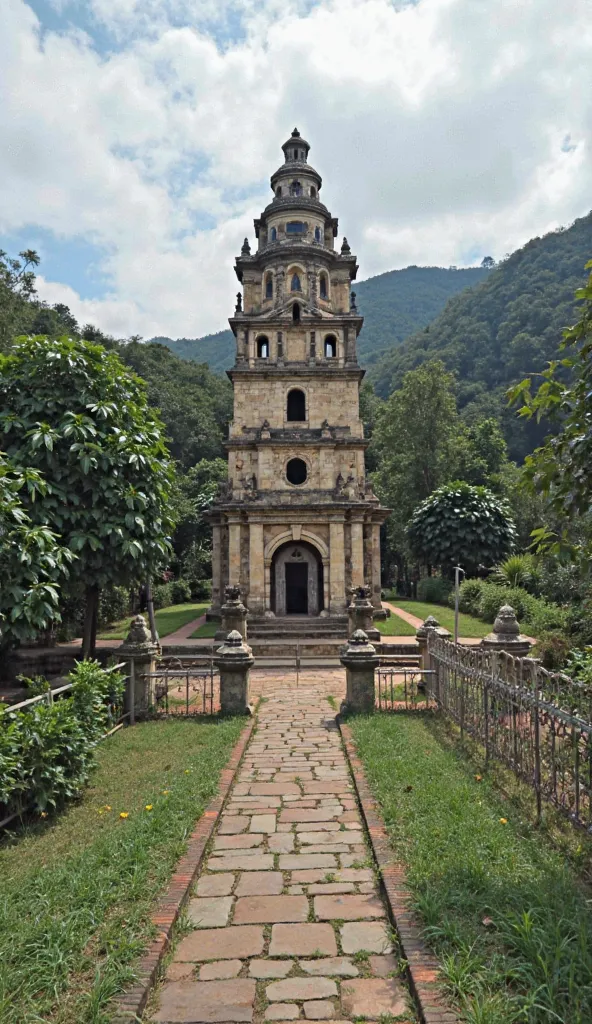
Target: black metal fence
(401, 688)
(536, 722)
(184, 685)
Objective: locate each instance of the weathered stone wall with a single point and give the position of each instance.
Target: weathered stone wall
(257, 398)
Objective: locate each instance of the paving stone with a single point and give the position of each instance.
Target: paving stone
(206, 1002)
(220, 970)
(327, 848)
(383, 965)
(373, 997)
(215, 885)
(263, 823)
(301, 988)
(222, 944)
(371, 936)
(270, 909)
(318, 826)
(230, 825)
(176, 972)
(348, 908)
(273, 788)
(210, 911)
(302, 940)
(330, 888)
(311, 875)
(319, 837)
(264, 883)
(367, 887)
(270, 968)
(282, 842)
(241, 842)
(241, 862)
(306, 814)
(336, 966)
(319, 1009)
(299, 861)
(348, 860)
(282, 1011)
(283, 827)
(354, 875)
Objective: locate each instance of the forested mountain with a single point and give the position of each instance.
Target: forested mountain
(504, 329)
(393, 305)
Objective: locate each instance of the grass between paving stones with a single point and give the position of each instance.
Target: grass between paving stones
(76, 892)
(468, 626)
(168, 620)
(506, 913)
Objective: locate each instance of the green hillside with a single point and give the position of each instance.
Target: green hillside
(502, 330)
(393, 304)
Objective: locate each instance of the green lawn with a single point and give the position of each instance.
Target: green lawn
(76, 891)
(394, 626)
(467, 624)
(502, 908)
(208, 629)
(167, 620)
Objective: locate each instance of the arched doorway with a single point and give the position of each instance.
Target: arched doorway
(297, 580)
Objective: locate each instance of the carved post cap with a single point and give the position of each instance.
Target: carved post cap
(234, 660)
(429, 623)
(358, 648)
(506, 635)
(138, 641)
(506, 623)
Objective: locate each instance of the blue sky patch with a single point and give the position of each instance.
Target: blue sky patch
(70, 260)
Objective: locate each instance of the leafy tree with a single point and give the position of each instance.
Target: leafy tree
(561, 468)
(488, 262)
(32, 563)
(17, 288)
(461, 525)
(72, 411)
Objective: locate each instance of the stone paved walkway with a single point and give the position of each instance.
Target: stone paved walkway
(286, 919)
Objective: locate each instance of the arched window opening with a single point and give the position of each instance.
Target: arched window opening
(313, 192)
(330, 346)
(273, 235)
(278, 190)
(295, 188)
(268, 286)
(296, 406)
(317, 234)
(262, 347)
(296, 471)
(323, 286)
(295, 227)
(295, 154)
(295, 285)
(296, 313)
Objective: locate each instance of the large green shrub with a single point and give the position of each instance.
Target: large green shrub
(469, 596)
(181, 591)
(47, 750)
(162, 595)
(434, 589)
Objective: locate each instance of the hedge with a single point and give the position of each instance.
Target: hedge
(47, 750)
(483, 599)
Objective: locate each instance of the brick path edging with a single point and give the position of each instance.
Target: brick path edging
(423, 967)
(130, 1006)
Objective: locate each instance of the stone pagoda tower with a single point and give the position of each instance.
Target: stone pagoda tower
(297, 524)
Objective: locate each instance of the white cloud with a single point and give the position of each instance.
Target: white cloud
(439, 127)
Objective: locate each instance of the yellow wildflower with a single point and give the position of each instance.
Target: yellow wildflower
(504, 821)
(148, 807)
(165, 792)
(124, 814)
(478, 778)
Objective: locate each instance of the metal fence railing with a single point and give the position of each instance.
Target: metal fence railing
(402, 688)
(180, 685)
(536, 722)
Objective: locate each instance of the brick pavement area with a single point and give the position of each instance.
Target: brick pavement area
(286, 918)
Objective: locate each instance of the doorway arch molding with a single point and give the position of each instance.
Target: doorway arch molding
(291, 536)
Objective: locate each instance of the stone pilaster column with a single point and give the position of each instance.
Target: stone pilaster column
(234, 660)
(376, 586)
(234, 552)
(256, 569)
(216, 570)
(357, 552)
(360, 661)
(337, 568)
(139, 651)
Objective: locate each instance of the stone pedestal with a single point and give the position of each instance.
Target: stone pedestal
(234, 661)
(140, 652)
(234, 615)
(506, 635)
(361, 613)
(360, 660)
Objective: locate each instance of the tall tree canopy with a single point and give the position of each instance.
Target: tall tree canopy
(72, 411)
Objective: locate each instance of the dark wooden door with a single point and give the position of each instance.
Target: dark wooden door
(296, 588)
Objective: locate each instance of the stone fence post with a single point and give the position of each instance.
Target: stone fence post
(234, 661)
(360, 613)
(422, 634)
(506, 635)
(360, 660)
(139, 651)
(234, 614)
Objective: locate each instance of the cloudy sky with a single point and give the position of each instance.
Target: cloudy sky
(138, 136)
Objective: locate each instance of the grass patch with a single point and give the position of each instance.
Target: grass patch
(167, 620)
(468, 625)
(394, 626)
(503, 909)
(208, 629)
(76, 891)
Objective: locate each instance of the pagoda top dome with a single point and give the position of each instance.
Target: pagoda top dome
(296, 148)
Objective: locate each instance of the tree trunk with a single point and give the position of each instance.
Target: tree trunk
(89, 640)
(150, 608)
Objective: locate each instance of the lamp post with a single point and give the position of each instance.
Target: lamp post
(457, 572)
